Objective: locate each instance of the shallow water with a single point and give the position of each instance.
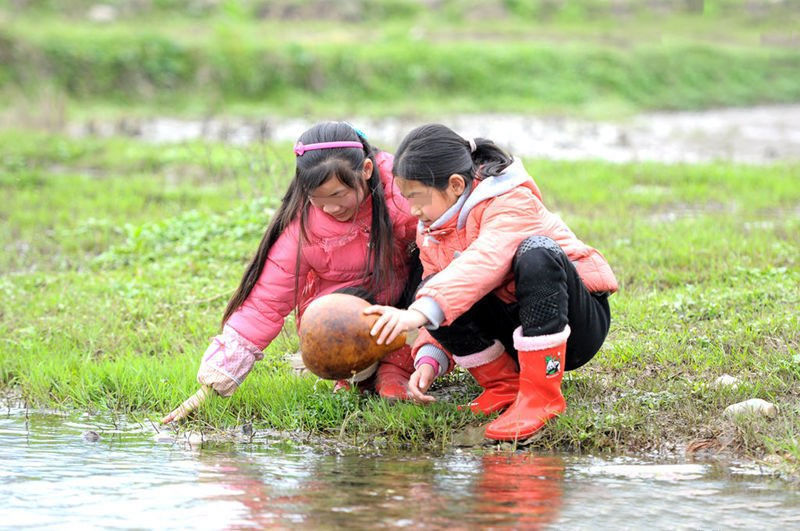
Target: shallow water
(751, 135)
(51, 476)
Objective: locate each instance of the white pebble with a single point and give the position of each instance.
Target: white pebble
(194, 439)
(102, 13)
(754, 405)
(164, 437)
(726, 380)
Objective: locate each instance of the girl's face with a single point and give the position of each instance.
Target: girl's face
(428, 203)
(337, 199)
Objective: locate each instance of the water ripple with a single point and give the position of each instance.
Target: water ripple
(52, 477)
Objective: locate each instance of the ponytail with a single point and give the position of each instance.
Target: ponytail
(293, 201)
(432, 153)
(380, 264)
(488, 159)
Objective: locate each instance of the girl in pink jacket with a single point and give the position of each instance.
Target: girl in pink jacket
(508, 288)
(342, 226)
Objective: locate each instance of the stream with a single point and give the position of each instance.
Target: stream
(754, 135)
(70, 470)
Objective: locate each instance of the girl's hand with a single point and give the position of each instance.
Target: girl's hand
(420, 381)
(189, 405)
(393, 321)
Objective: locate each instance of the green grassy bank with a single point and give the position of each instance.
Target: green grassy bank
(118, 258)
(399, 58)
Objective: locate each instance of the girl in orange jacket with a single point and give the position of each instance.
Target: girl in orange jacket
(508, 288)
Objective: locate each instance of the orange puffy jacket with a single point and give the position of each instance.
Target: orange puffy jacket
(469, 250)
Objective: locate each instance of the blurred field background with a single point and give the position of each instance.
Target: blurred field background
(73, 58)
(119, 253)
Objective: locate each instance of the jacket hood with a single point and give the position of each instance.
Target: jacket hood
(515, 175)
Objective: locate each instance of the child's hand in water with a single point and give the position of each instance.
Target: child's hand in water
(189, 405)
(420, 381)
(393, 321)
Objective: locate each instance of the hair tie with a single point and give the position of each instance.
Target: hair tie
(358, 131)
(472, 146)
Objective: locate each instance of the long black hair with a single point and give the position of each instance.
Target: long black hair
(432, 153)
(313, 168)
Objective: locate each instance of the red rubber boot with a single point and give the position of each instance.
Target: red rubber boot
(394, 370)
(496, 371)
(541, 360)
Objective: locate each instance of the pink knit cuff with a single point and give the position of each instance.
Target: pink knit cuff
(430, 361)
(530, 343)
(483, 357)
(429, 350)
(229, 354)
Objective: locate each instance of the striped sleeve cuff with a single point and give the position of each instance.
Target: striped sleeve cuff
(430, 350)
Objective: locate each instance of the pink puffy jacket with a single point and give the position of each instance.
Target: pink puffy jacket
(334, 257)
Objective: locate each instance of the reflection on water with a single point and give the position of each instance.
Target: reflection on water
(51, 476)
(520, 489)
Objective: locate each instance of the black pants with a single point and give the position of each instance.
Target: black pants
(550, 295)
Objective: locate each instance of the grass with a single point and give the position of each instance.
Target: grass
(119, 256)
(70, 200)
(401, 57)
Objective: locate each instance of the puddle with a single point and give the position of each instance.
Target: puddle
(52, 476)
(755, 135)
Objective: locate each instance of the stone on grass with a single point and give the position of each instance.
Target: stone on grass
(102, 13)
(469, 436)
(754, 405)
(296, 362)
(726, 380)
(194, 438)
